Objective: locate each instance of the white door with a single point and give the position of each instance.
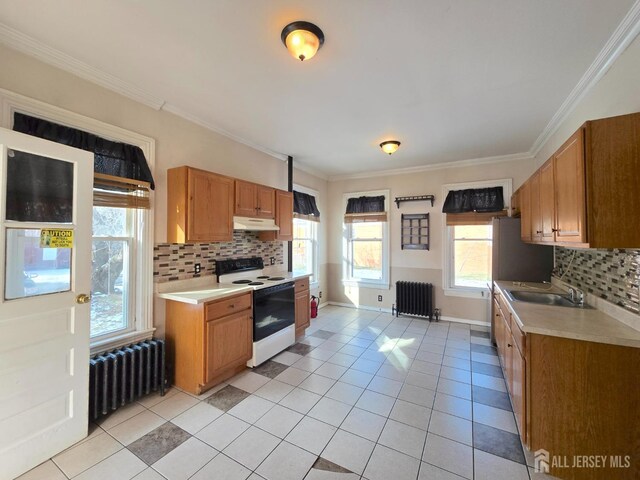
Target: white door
(44, 317)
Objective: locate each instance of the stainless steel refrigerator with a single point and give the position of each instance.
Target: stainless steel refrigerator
(514, 260)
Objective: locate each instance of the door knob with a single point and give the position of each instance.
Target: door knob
(83, 298)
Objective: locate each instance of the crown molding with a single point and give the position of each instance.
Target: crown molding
(309, 170)
(30, 46)
(35, 48)
(435, 166)
(214, 128)
(621, 38)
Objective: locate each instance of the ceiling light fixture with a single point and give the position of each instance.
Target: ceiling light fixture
(390, 146)
(302, 39)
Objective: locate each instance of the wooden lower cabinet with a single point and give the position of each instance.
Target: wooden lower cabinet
(229, 344)
(210, 342)
(302, 309)
(572, 398)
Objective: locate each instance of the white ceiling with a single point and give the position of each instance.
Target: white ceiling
(452, 80)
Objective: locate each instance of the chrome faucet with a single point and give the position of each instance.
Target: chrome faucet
(576, 296)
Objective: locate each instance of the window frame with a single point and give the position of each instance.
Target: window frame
(347, 279)
(448, 260)
(143, 328)
(315, 275)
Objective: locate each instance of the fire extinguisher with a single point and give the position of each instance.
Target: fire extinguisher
(314, 306)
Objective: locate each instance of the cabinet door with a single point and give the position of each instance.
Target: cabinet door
(525, 208)
(515, 204)
(266, 202)
(246, 203)
(536, 218)
(210, 211)
(498, 331)
(302, 311)
(518, 386)
(284, 215)
(547, 201)
(568, 165)
(229, 342)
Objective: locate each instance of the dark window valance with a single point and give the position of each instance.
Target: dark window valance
(365, 205)
(304, 206)
(110, 158)
(474, 200)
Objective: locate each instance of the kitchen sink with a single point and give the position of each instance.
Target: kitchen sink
(543, 298)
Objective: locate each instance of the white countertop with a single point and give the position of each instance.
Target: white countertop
(587, 324)
(205, 289)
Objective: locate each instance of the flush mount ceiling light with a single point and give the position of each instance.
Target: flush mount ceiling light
(302, 39)
(390, 146)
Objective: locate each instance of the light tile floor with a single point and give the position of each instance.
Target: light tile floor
(364, 395)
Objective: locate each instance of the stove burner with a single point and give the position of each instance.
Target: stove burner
(263, 276)
(275, 278)
(241, 281)
(256, 283)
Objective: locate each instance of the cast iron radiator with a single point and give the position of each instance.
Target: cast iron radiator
(123, 375)
(415, 298)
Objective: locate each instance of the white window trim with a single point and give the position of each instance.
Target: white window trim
(11, 103)
(316, 256)
(447, 257)
(386, 250)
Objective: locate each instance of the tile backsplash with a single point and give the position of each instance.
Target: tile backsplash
(613, 275)
(175, 261)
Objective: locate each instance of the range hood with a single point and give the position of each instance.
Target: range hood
(254, 224)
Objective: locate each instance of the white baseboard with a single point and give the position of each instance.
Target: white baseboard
(361, 307)
(388, 310)
(322, 305)
(465, 320)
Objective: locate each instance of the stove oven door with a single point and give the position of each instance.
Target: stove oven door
(273, 310)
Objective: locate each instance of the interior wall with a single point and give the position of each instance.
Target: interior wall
(178, 141)
(411, 265)
(617, 93)
(308, 180)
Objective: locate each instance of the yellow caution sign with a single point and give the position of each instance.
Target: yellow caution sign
(56, 238)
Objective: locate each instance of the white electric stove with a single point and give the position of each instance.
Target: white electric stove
(273, 305)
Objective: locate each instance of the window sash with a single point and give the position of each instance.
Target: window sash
(453, 285)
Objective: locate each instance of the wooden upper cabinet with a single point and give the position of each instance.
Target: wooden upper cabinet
(547, 202)
(253, 200)
(525, 216)
(515, 204)
(266, 201)
(284, 218)
(589, 188)
(534, 200)
(199, 206)
(568, 166)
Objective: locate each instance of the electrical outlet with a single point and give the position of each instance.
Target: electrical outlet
(196, 268)
(272, 260)
(379, 298)
(320, 295)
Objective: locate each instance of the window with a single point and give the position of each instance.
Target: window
(471, 250)
(305, 248)
(468, 239)
(113, 271)
(366, 259)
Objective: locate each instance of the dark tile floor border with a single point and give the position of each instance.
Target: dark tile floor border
(498, 442)
(487, 350)
(157, 443)
(479, 333)
(486, 369)
(493, 398)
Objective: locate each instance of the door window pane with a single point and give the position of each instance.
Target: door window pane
(39, 189)
(31, 270)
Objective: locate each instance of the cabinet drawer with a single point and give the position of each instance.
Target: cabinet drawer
(302, 284)
(518, 335)
(222, 308)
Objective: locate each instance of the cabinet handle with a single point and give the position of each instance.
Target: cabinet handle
(509, 345)
(538, 231)
(232, 305)
(555, 229)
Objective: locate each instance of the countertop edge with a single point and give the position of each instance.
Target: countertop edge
(619, 341)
